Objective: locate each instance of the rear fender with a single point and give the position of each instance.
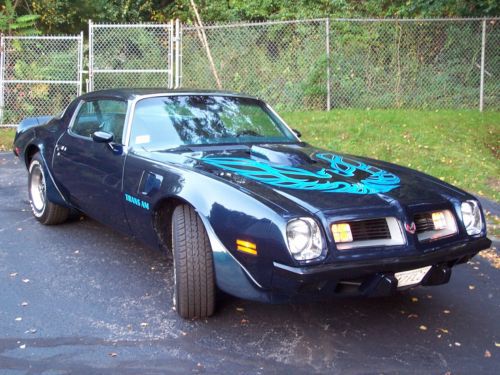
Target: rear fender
(54, 194)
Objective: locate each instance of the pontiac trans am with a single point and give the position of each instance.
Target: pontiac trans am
(219, 180)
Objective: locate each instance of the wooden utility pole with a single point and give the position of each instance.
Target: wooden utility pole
(205, 44)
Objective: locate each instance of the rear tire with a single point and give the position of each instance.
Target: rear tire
(45, 211)
(194, 290)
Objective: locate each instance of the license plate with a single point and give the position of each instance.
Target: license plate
(411, 277)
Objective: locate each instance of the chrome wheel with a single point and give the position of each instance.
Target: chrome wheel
(37, 187)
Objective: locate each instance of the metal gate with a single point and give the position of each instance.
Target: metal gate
(39, 75)
(140, 55)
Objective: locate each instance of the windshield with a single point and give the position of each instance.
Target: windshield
(163, 123)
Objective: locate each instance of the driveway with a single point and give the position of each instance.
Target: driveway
(81, 298)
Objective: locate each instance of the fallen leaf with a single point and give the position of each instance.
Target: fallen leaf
(144, 324)
(438, 336)
(244, 321)
(23, 304)
(18, 319)
(457, 344)
(413, 316)
(443, 330)
(240, 309)
(472, 287)
(183, 333)
(13, 274)
(487, 354)
(112, 354)
(414, 299)
(423, 328)
(76, 252)
(26, 280)
(497, 344)
(23, 346)
(32, 330)
(446, 311)
(429, 296)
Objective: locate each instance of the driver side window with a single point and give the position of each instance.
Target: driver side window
(101, 115)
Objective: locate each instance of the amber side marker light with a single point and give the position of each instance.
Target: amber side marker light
(246, 247)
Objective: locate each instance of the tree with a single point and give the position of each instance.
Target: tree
(12, 23)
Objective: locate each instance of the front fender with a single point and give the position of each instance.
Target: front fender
(230, 275)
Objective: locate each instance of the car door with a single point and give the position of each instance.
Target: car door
(89, 171)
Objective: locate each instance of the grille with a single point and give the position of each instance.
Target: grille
(423, 222)
(374, 229)
(426, 230)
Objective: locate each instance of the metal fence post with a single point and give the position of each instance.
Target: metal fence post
(2, 60)
(171, 55)
(90, 85)
(80, 64)
(178, 53)
(481, 84)
(328, 83)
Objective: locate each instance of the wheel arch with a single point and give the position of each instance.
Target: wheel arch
(54, 194)
(162, 219)
(31, 150)
(231, 276)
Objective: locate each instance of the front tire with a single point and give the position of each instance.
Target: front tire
(194, 291)
(45, 211)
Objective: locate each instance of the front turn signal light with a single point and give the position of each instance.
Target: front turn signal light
(342, 232)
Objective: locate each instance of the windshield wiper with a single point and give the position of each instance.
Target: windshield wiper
(182, 148)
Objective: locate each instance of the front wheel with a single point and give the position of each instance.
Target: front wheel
(44, 210)
(193, 265)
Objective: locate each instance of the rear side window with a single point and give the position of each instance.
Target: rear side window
(101, 115)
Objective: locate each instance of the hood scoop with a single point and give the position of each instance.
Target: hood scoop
(280, 155)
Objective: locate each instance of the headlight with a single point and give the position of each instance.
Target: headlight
(471, 216)
(304, 238)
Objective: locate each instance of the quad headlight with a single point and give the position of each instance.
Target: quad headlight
(471, 216)
(304, 238)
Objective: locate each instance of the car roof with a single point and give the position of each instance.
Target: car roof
(133, 93)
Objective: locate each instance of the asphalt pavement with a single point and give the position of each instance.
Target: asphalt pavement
(80, 298)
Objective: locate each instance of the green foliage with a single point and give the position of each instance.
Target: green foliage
(11, 23)
(70, 17)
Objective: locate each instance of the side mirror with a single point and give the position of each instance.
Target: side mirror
(297, 133)
(102, 137)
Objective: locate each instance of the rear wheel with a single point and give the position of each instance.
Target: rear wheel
(44, 211)
(194, 291)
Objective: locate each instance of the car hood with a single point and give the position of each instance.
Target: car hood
(319, 180)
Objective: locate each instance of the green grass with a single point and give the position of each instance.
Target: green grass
(459, 147)
(6, 138)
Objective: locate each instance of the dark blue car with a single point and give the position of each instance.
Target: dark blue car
(244, 205)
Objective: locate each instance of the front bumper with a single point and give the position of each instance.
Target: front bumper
(369, 277)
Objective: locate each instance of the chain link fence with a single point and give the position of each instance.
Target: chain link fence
(130, 55)
(407, 64)
(39, 75)
(351, 63)
(316, 64)
(492, 65)
(275, 61)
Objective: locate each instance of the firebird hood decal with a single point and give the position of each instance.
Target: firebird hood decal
(375, 180)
